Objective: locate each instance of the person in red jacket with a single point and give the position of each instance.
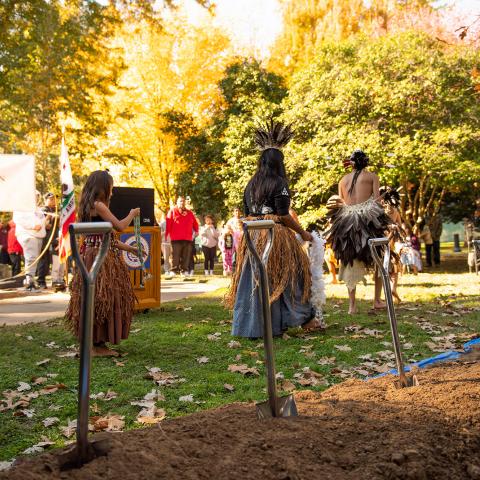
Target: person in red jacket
(14, 249)
(181, 224)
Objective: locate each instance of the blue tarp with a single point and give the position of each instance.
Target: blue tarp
(442, 357)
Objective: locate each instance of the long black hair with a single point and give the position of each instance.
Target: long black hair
(98, 187)
(269, 176)
(360, 160)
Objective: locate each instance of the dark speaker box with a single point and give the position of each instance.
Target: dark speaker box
(125, 198)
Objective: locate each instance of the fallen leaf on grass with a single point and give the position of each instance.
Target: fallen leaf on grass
(309, 378)
(25, 413)
(22, 387)
(287, 386)
(110, 395)
(234, 344)
(163, 378)
(408, 346)
(48, 389)
(202, 360)
(187, 309)
(70, 429)
(109, 423)
(228, 387)
(136, 330)
(155, 395)
(382, 368)
(186, 398)
(39, 380)
(118, 363)
(343, 348)
(68, 354)
(43, 362)
(214, 337)
(243, 369)
(49, 421)
(327, 361)
(6, 465)
(151, 415)
(38, 448)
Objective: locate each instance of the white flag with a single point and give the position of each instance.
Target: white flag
(17, 183)
(67, 212)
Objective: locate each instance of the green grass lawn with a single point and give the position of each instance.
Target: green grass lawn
(174, 337)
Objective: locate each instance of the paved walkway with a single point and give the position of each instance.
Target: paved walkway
(17, 309)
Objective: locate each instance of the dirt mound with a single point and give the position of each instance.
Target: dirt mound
(356, 430)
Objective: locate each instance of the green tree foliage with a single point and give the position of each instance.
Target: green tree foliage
(55, 67)
(407, 100)
(221, 157)
(251, 94)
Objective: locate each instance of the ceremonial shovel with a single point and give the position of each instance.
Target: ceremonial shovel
(84, 451)
(403, 381)
(275, 406)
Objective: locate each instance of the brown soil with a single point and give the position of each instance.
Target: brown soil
(356, 430)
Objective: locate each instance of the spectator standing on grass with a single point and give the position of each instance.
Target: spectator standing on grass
(209, 237)
(228, 248)
(426, 236)
(43, 268)
(4, 257)
(15, 251)
(181, 222)
(235, 222)
(30, 233)
(436, 227)
(166, 248)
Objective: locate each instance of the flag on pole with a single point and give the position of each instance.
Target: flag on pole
(67, 212)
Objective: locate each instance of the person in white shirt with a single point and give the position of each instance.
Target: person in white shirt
(30, 230)
(209, 236)
(235, 221)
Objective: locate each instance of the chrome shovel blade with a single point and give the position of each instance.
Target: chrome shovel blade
(411, 381)
(286, 408)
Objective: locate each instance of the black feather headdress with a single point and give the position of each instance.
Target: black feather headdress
(273, 135)
(391, 195)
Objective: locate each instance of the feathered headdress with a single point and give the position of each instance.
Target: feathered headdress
(272, 135)
(391, 195)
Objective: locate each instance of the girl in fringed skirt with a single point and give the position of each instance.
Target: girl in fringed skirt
(114, 297)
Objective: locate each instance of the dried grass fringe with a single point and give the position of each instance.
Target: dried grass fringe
(112, 287)
(287, 261)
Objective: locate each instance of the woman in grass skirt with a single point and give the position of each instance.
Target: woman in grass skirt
(267, 196)
(114, 297)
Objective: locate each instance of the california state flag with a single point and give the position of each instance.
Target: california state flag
(67, 212)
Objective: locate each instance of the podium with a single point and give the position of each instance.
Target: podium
(151, 238)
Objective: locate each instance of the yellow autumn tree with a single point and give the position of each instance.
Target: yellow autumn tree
(173, 68)
(309, 22)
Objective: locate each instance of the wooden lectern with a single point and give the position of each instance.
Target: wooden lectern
(148, 297)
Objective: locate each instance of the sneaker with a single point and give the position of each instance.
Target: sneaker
(170, 274)
(191, 273)
(211, 272)
(207, 272)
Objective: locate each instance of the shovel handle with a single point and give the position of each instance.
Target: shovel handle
(265, 303)
(86, 324)
(383, 268)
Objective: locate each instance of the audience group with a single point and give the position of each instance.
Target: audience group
(183, 239)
